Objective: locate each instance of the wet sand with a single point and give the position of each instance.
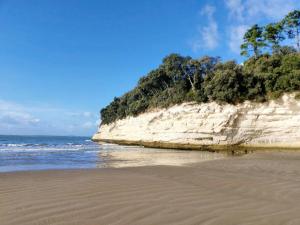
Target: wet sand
(260, 188)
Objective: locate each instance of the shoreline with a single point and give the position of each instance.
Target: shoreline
(257, 189)
(211, 148)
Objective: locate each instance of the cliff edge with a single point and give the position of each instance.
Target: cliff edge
(191, 125)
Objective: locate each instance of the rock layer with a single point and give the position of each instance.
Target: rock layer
(191, 125)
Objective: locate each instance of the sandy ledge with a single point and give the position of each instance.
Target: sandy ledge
(260, 189)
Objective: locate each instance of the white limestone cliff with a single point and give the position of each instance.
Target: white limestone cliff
(271, 124)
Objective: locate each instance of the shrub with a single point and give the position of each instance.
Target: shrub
(180, 79)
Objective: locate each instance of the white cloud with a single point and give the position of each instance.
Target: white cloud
(273, 9)
(244, 13)
(12, 114)
(40, 119)
(254, 10)
(236, 9)
(80, 114)
(236, 37)
(208, 10)
(208, 36)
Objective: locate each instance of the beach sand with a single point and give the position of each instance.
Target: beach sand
(260, 188)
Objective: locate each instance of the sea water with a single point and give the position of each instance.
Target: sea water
(20, 153)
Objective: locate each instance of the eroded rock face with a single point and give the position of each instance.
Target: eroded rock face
(271, 124)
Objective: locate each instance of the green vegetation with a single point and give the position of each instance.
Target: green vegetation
(271, 70)
(254, 40)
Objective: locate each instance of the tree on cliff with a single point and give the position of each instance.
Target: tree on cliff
(291, 24)
(181, 78)
(253, 41)
(196, 70)
(273, 33)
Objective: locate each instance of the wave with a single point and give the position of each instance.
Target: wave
(14, 145)
(22, 145)
(26, 147)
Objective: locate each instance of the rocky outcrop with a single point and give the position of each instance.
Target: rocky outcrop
(191, 125)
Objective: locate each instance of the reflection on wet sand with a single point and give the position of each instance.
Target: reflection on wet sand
(129, 156)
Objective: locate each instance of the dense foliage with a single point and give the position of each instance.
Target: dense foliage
(267, 74)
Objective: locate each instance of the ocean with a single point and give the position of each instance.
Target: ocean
(21, 153)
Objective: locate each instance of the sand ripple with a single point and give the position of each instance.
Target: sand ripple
(260, 189)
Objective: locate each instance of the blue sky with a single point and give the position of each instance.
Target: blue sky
(61, 61)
